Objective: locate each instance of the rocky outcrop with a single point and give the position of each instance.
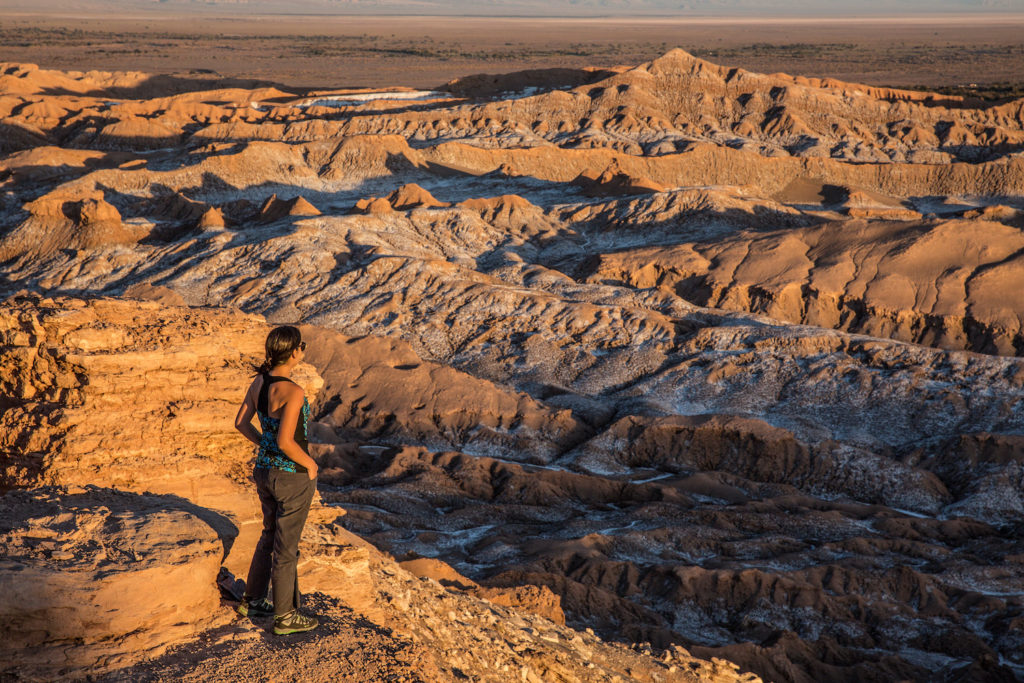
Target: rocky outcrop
(884, 278)
(274, 209)
(425, 631)
(379, 389)
(136, 133)
(743, 566)
(756, 451)
(98, 579)
(58, 222)
(123, 476)
(528, 598)
(614, 182)
(707, 164)
(407, 197)
(669, 102)
(133, 396)
(212, 219)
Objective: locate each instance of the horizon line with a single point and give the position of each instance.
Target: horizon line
(217, 12)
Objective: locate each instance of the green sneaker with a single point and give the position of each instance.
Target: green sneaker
(293, 622)
(257, 607)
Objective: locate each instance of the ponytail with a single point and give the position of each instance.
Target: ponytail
(281, 343)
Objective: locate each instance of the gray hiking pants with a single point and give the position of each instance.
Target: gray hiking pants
(285, 498)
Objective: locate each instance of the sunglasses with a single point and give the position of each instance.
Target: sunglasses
(302, 346)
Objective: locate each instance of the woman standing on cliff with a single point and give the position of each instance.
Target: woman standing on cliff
(285, 481)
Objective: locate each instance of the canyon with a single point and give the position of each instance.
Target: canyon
(673, 371)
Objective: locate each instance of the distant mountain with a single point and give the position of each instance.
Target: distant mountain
(536, 7)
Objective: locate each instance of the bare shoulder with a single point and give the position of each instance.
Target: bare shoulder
(288, 391)
(294, 391)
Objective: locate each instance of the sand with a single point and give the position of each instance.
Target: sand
(333, 51)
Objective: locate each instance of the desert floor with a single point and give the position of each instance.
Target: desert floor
(332, 51)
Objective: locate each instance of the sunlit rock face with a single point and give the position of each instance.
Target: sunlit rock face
(127, 502)
(722, 360)
(68, 556)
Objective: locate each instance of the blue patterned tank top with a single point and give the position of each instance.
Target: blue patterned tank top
(269, 455)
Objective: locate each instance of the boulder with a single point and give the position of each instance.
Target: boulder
(94, 580)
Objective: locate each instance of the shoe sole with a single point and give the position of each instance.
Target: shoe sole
(287, 631)
(246, 611)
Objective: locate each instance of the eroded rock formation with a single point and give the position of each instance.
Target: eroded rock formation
(127, 491)
(101, 578)
(719, 361)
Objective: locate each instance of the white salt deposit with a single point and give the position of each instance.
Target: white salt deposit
(355, 99)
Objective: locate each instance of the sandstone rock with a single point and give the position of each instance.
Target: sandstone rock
(533, 599)
(92, 212)
(212, 219)
(18, 136)
(380, 389)
(374, 205)
(412, 196)
(438, 571)
(613, 182)
(181, 208)
(114, 335)
(156, 293)
(64, 223)
(134, 396)
(755, 450)
(274, 209)
(137, 133)
(528, 385)
(537, 599)
(95, 580)
(795, 276)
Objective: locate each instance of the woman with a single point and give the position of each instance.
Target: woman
(285, 481)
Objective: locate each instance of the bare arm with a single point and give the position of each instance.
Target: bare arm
(286, 434)
(243, 420)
